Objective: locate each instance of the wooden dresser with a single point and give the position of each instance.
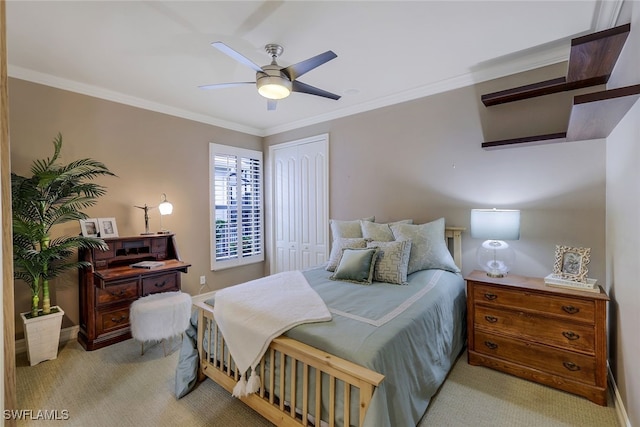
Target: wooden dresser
(108, 288)
(550, 335)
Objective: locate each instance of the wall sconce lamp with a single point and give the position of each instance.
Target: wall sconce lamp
(495, 256)
(166, 208)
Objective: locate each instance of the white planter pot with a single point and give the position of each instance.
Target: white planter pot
(42, 336)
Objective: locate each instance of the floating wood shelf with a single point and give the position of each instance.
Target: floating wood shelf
(593, 115)
(591, 62)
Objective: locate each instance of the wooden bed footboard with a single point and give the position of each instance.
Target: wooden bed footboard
(217, 364)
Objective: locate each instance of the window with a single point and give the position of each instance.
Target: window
(235, 182)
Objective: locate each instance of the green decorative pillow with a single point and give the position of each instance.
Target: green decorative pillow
(393, 261)
(428, 246)
(356, 265)
(378, 231)
(348, 229)
(338, 245)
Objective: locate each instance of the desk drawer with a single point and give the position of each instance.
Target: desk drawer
(161, 283)
(117, 292)
(111, 320)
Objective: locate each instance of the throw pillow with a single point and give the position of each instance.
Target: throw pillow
(393, 261)
(340, 244)
(428, 246)
(349, 229)
(356, 265)
(378, 231)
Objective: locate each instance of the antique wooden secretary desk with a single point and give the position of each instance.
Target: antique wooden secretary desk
(110, 285)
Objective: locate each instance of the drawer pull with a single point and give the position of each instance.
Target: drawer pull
(491, 345)
(160, 285)
(571, 335)
(571, 366)
(570, 309)
(491, 319)
(490, 296)
(120, 320)
(116, 294)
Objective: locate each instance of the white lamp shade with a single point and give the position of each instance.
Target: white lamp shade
(165, 208)
(495, 224)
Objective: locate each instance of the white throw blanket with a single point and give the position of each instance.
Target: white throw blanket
(252, 314)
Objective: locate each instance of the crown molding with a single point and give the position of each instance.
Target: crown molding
(109, 95)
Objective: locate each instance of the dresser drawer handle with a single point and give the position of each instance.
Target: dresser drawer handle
(120, 320)
(490, 296)
(160, 285)
(116, 294)
(491, 319)
(571, 335)
(491, 345)
(570, 309)
(571, 366)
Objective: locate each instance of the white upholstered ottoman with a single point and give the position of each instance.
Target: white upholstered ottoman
(158, 317)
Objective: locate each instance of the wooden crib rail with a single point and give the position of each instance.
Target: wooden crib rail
(297, 354)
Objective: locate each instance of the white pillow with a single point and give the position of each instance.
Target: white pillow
(428, 246)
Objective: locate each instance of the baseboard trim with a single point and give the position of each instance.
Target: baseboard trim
(66, 334)
(202, 297)
(621, 413)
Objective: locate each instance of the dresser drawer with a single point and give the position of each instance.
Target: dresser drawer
(566, 364)
(111, 320)
(572, 336)
(117, 292)
(160, 283)
(569, 308)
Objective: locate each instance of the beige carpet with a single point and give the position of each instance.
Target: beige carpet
(116, 386)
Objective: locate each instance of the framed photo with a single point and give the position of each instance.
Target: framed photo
(108, 227)
(89, 227)
(572, 263)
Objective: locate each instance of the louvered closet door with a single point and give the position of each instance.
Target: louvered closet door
(300, 175)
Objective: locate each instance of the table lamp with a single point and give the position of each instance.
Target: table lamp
(165, 208)
(495, 256)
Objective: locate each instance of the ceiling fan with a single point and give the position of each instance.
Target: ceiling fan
(273, 81)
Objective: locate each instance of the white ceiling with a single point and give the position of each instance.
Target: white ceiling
(155, 54)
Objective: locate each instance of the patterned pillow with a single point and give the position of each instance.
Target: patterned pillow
(349, 229)
(428, 247)
(378, 231)
(356, 265)
(393, 261)
(337, 247)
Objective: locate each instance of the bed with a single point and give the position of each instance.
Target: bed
(371, 365)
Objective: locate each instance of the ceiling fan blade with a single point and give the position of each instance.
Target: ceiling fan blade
(298, 86)
(271, 104)
(225, 85)
(296, 70)
(237, 56)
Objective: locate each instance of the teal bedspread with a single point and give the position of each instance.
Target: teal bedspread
(412, 334)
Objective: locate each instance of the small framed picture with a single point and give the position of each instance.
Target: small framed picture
(572, 263)
(107, 227)
(89, 227)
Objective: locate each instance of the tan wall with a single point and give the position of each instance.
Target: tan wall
(623, 228)
(423, 160)
(151, 153)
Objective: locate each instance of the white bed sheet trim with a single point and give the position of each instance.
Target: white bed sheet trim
(396, 311)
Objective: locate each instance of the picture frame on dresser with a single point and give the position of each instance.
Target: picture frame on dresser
(108, 227)
(571, 263)
(89, 227)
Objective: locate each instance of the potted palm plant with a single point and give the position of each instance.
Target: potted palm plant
(52, 195)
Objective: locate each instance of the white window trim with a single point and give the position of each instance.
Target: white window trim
(239, 152)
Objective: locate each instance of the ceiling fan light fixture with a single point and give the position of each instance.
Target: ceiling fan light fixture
(273, 87)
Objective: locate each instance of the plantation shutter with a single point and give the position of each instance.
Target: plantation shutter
(237, 232)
